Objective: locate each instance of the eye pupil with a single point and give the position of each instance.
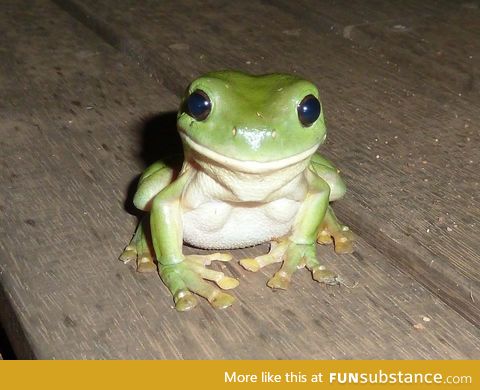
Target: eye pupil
(308, 110)
(198, 105)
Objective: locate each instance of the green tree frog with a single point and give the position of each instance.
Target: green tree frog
(250, 174)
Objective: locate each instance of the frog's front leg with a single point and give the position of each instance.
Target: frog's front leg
(153, 180)
(299, 250)
(331, 230)
(184, 275)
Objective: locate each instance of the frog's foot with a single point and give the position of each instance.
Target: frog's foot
(332, 231)
(298, 256)
(128, 254)
(144, 258)
(140, 249)
(294, 256)
(145, 263)
(185, 278)
(275, 255)
(342, 238)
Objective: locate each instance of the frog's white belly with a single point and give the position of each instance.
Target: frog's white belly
(227, 209)
(223, 225)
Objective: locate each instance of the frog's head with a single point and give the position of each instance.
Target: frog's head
(252, 123)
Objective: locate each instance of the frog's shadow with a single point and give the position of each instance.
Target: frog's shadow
(159, 139)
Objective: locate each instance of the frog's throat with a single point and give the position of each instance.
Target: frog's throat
(247, 166)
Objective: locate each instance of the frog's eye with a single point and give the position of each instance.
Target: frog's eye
(198, 105)
(308, 110)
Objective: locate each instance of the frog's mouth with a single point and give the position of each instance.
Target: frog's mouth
(247, 166)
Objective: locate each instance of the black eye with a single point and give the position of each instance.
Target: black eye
(198, 105)
(308, 110)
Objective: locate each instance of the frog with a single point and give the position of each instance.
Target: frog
(250, 174)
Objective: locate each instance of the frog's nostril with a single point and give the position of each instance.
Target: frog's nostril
(274, 133)
(234, 131)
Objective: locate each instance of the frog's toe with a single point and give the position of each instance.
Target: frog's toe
(344, 240)
(223, 281)
(250, 264)
(222, 300)
(145, 264)
(189, 277)
(324, 237)
(323, 275)
(343, 246)
(227, 283)
(185, 300)
(281, 280)
(207, 259)
(275, 255)
(216, 297)
(221, 257)
(128, 254)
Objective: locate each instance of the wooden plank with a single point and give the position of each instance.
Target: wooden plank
(62, 136)
(73, 115)
(339, 16)
(406, 128)
(439, 50)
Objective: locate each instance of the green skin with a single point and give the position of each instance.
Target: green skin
(264, 105)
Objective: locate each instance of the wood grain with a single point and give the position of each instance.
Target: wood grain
(78, 119)
(407, 121)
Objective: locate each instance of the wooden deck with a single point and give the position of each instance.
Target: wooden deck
(87, 92)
